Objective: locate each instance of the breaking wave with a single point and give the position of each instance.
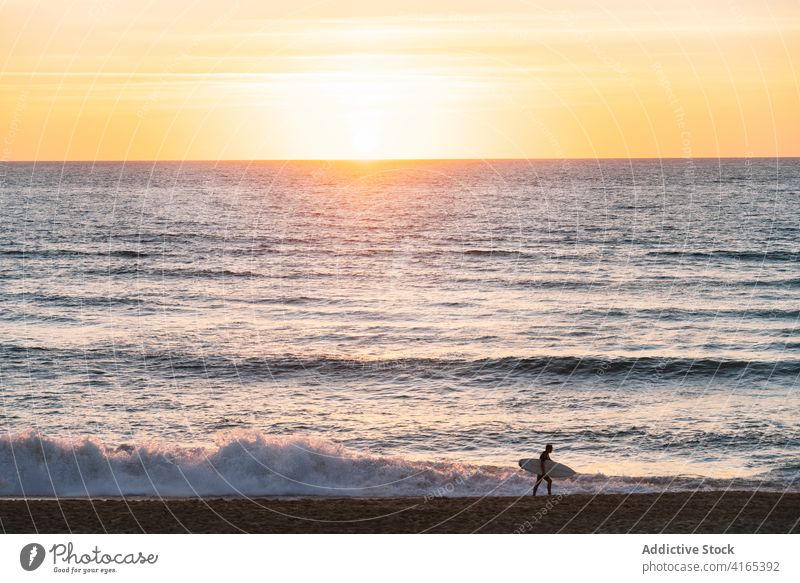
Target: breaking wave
(251, 464)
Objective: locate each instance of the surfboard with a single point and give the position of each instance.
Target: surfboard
(552, 469)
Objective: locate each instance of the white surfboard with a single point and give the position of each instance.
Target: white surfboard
(552, 469)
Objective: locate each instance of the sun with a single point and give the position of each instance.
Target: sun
(365, 120)
(364, 141)
(364, 115)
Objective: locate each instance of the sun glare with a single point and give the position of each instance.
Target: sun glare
(364, 125)
(364, 141)
(363, 114)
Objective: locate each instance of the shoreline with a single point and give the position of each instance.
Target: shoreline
(670, 512)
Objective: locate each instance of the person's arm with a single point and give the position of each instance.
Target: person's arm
(541, 464)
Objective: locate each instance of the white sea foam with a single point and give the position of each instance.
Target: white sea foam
(32, 464)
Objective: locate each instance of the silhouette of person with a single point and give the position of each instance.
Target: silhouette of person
(541, 474)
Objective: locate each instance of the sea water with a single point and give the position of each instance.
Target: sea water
(388, 328)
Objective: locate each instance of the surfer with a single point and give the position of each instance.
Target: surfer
(541, 474)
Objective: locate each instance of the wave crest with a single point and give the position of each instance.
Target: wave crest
(242, 464)
(253, 464)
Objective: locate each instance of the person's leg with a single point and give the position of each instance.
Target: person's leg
(536, 487)
(549, 486)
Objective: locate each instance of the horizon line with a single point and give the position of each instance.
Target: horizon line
(374, 160)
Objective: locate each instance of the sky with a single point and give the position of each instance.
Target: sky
(237, 79)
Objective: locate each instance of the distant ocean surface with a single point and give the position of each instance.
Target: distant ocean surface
(331, 328)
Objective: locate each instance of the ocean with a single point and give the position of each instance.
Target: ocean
(398, 328)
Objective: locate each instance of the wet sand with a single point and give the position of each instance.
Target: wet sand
(684, 512)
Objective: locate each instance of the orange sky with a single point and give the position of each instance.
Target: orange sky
(235, 79)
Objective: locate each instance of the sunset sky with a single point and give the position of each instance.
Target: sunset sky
(118, 79)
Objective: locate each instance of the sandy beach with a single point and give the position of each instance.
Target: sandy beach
(701, 512)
